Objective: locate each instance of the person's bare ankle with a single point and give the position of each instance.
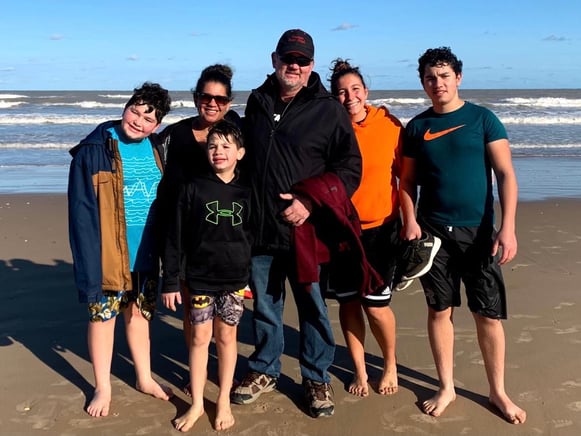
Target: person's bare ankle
(100, 403)
(511, 412)
(436, 405)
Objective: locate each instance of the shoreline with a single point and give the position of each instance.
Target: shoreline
(539, 178)
(47, 375)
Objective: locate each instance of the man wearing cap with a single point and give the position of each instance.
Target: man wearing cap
(295, 130)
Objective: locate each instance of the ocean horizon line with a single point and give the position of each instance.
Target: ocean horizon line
(258, 84)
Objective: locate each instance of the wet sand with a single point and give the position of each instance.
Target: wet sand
(46, 376)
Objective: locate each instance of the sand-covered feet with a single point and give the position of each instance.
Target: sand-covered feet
(224, 417)
(359, 386)
(101, 401)
(187, 420)
(436, 405)
(156, 390)
(511, 412)
(99, 405)
(388, 382)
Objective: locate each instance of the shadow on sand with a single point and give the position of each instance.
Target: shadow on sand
(41, 311)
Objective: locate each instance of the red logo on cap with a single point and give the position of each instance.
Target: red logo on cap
(297, 38)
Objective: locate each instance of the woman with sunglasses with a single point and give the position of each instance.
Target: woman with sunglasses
(185, 141)
(379, 135)
(186, 151)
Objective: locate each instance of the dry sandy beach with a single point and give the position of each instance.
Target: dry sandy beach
(46, 377)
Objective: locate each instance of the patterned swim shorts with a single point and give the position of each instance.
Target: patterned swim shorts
(113, 303)
(227, 305)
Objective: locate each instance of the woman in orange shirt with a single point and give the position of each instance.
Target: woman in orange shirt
(379, 135)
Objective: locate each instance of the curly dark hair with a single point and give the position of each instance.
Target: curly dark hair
(340, 68)
(215, 73)
(436, 57)
(154, 96)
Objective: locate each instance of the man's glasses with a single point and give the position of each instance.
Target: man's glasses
(301, 61)
(221, 100)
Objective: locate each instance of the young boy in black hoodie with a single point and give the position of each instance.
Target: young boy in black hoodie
(209, 244)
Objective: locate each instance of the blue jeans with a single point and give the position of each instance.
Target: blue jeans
(317, 345)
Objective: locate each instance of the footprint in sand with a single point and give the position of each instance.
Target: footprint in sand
(428, 419)
(423, 418)
(155, 429)
(261, 407)
(524, 337)
(352, 399)
(572, 383)
(560, 423)
(279, 428)
(529, 396)
(563, 304)
(523, 316)
(95, 423)
(574, 329)
(574, 406)
(41, 415)
(477, 361)
(519, 265)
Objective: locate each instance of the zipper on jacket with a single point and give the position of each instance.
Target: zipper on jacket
(266, 160)
(120, 205)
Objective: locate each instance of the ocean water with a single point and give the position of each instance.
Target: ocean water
(37, 129)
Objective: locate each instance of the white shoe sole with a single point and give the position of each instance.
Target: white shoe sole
(425, 269)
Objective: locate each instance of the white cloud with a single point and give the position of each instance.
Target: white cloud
(133, 57)
(555, 38)
(344, 26)
(56, 37)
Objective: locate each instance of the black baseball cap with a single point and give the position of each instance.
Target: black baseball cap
(296, 41)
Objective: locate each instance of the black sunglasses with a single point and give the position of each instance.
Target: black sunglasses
(301, 61)
(220, 100)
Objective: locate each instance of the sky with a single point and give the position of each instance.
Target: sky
(119, 44)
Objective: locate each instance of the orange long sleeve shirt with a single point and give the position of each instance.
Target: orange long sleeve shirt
(379, 136)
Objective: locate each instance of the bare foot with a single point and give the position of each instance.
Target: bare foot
(359, 386)
(224, 418)
(156, 390)
(388, 382)
(511, 412)
(436, 405)
(188, 419)
(99, 405)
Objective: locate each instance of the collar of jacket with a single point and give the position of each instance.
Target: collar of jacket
(314, 88)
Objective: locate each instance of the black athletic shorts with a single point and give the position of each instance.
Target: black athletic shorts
(382, 247)
(464, 257)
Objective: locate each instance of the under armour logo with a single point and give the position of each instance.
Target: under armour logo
(235, 214)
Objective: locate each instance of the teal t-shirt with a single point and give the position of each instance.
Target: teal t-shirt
(141, 176)
(452, 165)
